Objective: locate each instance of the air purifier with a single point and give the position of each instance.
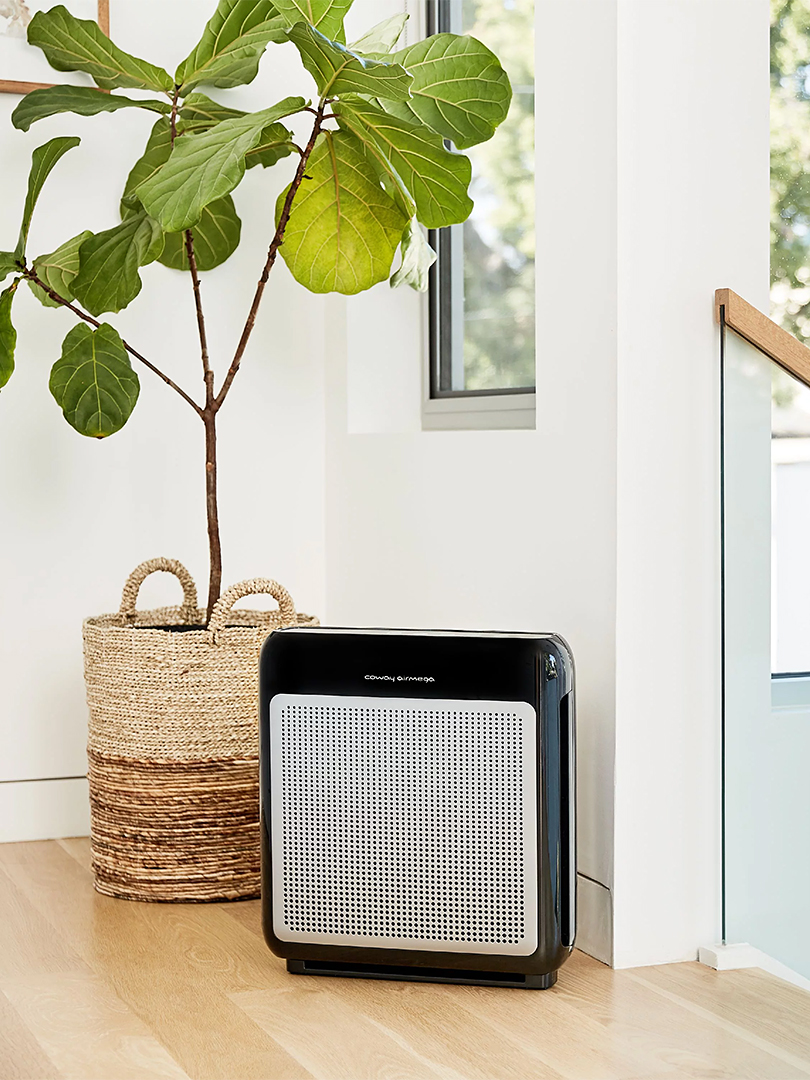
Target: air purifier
(418, 804)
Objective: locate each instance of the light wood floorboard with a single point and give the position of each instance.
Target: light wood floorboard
(93, 988)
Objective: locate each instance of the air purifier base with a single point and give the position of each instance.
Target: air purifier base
(416, 974)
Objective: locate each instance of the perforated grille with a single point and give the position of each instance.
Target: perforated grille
(404, 822)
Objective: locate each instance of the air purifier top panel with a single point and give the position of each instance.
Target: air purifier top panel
(435, 663)
(404, 823)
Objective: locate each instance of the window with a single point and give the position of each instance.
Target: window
(482, 336)
(790, 191)
(790, 306)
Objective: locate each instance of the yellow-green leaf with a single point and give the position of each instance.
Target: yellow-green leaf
(436, 179)
(72, 44)
(459, 88)
(325, 15)
(93, 382)
(344, 228)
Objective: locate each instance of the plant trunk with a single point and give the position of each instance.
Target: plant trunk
(212, 509)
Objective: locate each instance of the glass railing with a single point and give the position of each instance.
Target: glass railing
(766, 647)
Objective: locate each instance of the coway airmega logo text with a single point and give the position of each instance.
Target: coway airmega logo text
(400, 678)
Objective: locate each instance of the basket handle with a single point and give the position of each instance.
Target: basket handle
(129, 597)
(222, 608)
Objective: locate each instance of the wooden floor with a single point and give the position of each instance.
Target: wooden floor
(97, 988)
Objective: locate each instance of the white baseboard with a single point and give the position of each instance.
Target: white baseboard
(44, 809)
(733, 957)
(594, 919)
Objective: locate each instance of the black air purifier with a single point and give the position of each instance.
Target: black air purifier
(418, 804)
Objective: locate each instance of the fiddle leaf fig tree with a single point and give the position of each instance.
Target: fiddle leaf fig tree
(379, 163)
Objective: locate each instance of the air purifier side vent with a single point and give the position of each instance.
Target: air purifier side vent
(404, 823)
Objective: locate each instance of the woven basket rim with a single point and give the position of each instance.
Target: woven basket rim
(150, 622)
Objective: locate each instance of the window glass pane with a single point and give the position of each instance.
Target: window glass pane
(790, 523)
(790, 306)
(790, 179)
(766, 731)
(484, 336)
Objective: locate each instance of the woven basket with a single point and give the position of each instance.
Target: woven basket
(173, 742)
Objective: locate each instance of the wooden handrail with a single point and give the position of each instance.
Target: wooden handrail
(763, 333)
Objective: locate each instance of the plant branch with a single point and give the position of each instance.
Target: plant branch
(212, 510)
(208, 414)
(208, 375)
(275, 244)
(32, 276)
(188, 237)
(173, 116)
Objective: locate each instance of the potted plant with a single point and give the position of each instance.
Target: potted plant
(172, 692)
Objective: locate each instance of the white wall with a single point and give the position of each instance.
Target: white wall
(502, 529)
(76, 514)
(692, 216)
(603, 524)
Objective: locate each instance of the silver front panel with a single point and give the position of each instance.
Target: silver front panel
(404, 823)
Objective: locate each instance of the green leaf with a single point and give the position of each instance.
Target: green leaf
(155, 155)
(203, 168)
(216, 237)
(108, 278)
(8, 335)
(325, 15)
(200, 113)
(72, 44)
(43, 160)
(216, 234)
(93, 381)
(417, 258)
(382, 37)
(343, 229)
(84, 100)
(232, 44)
(459, 88)
(436, 179)
(8, 264)
(58, 270)
(276, 143)
(336, 70)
